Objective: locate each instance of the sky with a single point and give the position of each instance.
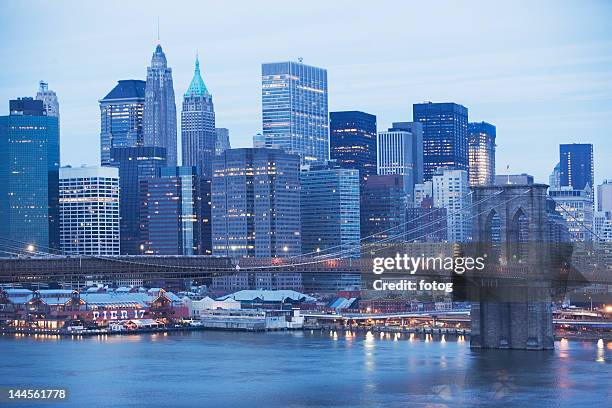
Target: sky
(539, 71)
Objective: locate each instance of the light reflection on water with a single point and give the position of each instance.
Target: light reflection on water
(310, 368)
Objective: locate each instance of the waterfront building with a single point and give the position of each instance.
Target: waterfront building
(49, 99)
(400, 152)
(269, 299)
(522, 179)
(122, 117)
(383, 208)
(160, 107)
(198, 125)
(576, 165)
(171, 212)
(604, 196)
(255, 203)
(222, 140)
(329, 206)
(576, 206)
(226, 283)
(134, 164)
(29, 178)
(89, 211)
(445, 136)
(451, 191)
(294, 109)
(352, 141)
(481, 153)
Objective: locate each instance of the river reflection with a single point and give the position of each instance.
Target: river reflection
(299, 369)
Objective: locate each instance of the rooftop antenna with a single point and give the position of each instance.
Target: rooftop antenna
(158, 29)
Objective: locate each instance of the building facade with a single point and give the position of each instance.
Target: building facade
(604, 196)
(576, 165)
(122, 117)
(329, 211)
(255, 203)
(49, 99)
(295, 110)
(222, 140)
(198, 125)
(445, 136)
(160, 107)
(481, 153)
(383, 203)
(451, 190)
(135, 164)
(352, 141)
(89, 211)
(576, 206)
(29, 177)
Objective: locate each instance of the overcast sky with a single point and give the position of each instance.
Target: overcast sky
(540, 71)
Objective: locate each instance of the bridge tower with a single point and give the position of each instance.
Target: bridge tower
(511, 297)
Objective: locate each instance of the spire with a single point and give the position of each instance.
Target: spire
(197, 86)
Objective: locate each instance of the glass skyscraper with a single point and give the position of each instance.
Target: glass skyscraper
(171, 217)
(29, 177)
(222, 140)
(383, 208)
(576, 165)
(352, 140)
(198, 125)
(445, 136)
(481, 147)
(121, 117)
(330, 211)
(135, 164)
(255, 203)
(160, 108)
(294, 109)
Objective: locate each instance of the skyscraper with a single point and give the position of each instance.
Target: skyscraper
(222, 140)
(451, 191)
(576, 165)
(445, 136)
(49, 99)
(383, 202)
(329, 211)
(294, 109)
(160, 108)
(89, 210)
(171, 218)
(352, 141)
(198, 125)
(604, 196)
(554, 180)
(481, 149)
(400, 151)
(255, 203)
(29, 176)
(121, 117)
(135, 164)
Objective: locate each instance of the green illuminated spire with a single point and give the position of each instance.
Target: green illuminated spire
(197, 87)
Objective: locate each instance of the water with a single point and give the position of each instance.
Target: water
(303, 369)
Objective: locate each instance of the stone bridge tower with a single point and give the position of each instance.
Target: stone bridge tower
(511, 297)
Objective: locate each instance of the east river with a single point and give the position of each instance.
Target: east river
(303, 369)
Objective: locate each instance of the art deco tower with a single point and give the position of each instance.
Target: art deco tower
(160, 108)
(198, 125)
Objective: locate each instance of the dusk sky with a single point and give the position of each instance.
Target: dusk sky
(539, 71)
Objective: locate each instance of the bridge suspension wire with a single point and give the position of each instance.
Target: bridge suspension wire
(588, 228)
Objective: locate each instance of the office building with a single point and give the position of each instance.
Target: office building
(422, 192)
(259, 141)
(121, 117)
(352, 141)
(451, 191)
(481, 153)
(135, 164)
(49, 99)
(255, 203)
(604, 196)
(576, 206)
(445, 136)
(89, 211)
(29, 177)
(522, 179)
(294, 109)
(426, 223)
(576, 165)
(222, 140)
(329, 211)
(198, 125)
(160, 107)
(554, 180)
(171, 212)
(383, 203)
(602, 226)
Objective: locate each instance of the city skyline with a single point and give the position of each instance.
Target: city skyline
(560, 91)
